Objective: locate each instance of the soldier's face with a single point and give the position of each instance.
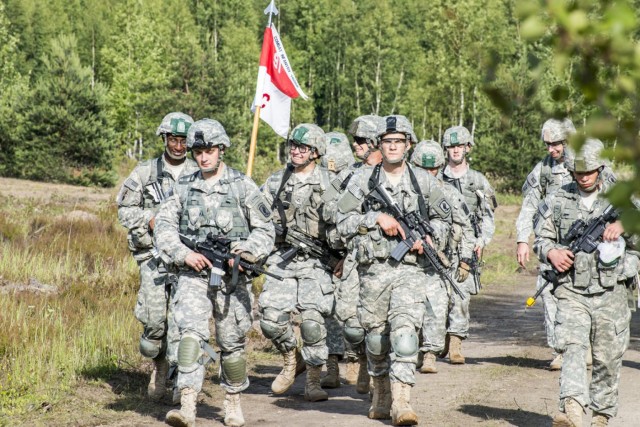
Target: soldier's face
(300, 154)
(555, 149)
(433, 171)
(206, 158)
(177, 146)
(586, 180)
(360, 147)
(393, 147)
(456, 153)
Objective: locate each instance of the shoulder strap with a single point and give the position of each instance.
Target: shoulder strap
(277, 203)
(421, 203)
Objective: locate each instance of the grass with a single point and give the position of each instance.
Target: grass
(87, 326)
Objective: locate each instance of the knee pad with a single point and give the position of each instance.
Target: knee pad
(151, 347)
(234, 370)
(189, 352)
(405, 343)
(354, 336)
(312, 329)
(377, 344)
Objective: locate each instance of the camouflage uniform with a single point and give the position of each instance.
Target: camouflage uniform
(392, 297)
(479, 197)
(231, 206)
(428, 154)
(592, 303)
(138, 202)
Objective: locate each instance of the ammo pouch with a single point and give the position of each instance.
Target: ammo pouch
(371, 245)
(139, 239)
(582, 271)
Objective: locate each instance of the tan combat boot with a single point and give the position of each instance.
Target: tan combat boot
(381, 400)
(556, 363)
(293, 366)
(351, 372)
(429, 364)
(455, 350)
(332, 379)
(186, 415)
(571, 417)
(232, 411)
(362, 385)
(401, 412)
(157, 385)
(312, 390)
(599, 420)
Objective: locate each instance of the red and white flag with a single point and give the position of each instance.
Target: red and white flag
(276, 83)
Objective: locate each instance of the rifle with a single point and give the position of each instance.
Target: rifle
(217, 249)
(581, 237)
(476, 263)
(302, 242)
(415, 227)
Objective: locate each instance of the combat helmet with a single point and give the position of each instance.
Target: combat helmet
(397, 124)
(366, 127)
(588, 158)
(338, 155)
(175, 123)
(207, 133)
(428, 154)
(554, 130)
(310, 135)
(457, 135)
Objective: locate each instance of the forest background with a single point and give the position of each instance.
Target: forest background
(84, 83)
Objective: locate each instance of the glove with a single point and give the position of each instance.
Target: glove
(463, 271)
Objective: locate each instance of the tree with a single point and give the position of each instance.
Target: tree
(66, 137)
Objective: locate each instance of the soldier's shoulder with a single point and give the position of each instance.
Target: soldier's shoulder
(479, 178)
(236, 176)
(188, 178)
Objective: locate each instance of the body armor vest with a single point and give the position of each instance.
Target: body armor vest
(227, 219)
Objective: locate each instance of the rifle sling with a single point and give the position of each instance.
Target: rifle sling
(277, 203)
(374, 180)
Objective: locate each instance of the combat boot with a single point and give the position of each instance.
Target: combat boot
(381, 400)
(312, 390)
(332, 379)
(556, 363)
(599, 420)
(362, 384)
(455, 350)
(429, 364)
(157, 385)
(293, 366)
(351, 372)
(571, 417)
(232, 411)
(186, 415)
(401, 412)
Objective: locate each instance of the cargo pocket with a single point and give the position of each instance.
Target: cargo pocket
(582, 271)
(380, 244)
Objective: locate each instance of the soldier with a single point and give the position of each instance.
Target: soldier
(364, 132)
(216, 202)
(547, 177)
(428, 155)
(138, 201)
(337, 158)
(480, 198)
(392, 297)
(296, 194)
(591, 294)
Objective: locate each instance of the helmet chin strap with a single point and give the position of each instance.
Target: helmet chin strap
(168, 153)
(309, 160)
(595, 185)
(396, 161)
(215, 167)
(459, 162)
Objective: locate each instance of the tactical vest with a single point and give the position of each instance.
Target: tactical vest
(165, 181)
(467, 185)
(303, 212)
(551, 182)
(227, 219)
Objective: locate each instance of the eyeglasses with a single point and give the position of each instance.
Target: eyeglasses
(554, 143)
(394, 141)
(302, 149)
(177, 140)
(359, 140)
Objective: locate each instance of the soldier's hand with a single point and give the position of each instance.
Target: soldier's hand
(197, 261)
(232, 262)
(338, 269)
(152, 223)
(417, 247)
(478, 250)
(463, 271)
(522, 254)
(390, 226)
(612, 231)
(561, 259)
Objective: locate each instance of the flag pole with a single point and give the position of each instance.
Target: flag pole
(270, 10)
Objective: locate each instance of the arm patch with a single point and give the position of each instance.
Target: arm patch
(446, 207)
(131, 184)
(544, 210)
(532, 181)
